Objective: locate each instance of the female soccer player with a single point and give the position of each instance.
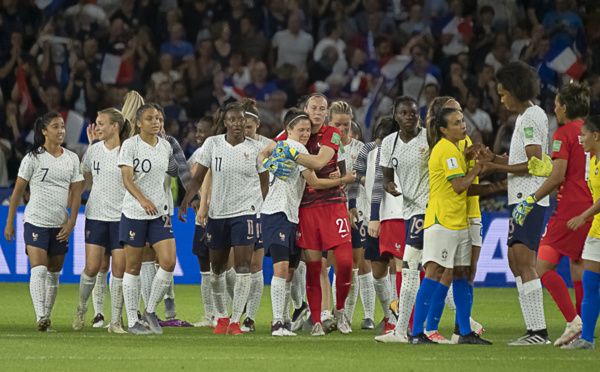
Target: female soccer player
(447, 243)
(518, 85)
(103, 212)
(55, 180)
(258, 283)
(590, 307)
(204, 130)
(279, 216)
(239, 185)
(144, 160)
(340, 116)
(568, 174)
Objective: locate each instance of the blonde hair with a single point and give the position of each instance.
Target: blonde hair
(340, 107)
(115, 116)
(133, 101)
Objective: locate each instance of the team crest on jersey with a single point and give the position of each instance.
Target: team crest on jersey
(282, 236)
(360, 213)
(208, 237)
(422, 150)
(131, 235)
(298, 234)
(246, 156)
(35, 236)
(87, 233)
(398, 246)
(444, 255)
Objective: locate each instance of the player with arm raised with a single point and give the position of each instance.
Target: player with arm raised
(54, 177)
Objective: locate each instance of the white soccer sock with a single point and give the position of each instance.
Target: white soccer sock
(384, 294)
(160, 285)
(147, 273)
(408, 296)
(218, 284)
(533, 298)
(51, 290)
(299, 285)
(171, 291)
(99, 294)
(131, 294)
(367, 294)
(352, 296)
(240, 295)
(116, 299)
(450, 298)
(207, 297)
(526, 318)
(37, 289)
(278, 298)
(288, 299)
(230, 278)
(333, 288)
(86, 286)
(393, 288)
(254, 296)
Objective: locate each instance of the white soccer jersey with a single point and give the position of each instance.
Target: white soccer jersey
(410, 161)
(350, 155)
(531, 128)
(106, 198)
(150, 165)
(191, 161)
(369, 181)
(236, 186)
(49, 180)
(392, 207)
(264, 140)
(285, 196)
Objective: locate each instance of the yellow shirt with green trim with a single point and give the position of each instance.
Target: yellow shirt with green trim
(446, 207)
(473, 210)
(594, 185)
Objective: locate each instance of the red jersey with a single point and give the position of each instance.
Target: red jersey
(330, 137)
(574, 196)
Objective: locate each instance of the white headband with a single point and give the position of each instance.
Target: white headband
(250, 113)
(298, 117)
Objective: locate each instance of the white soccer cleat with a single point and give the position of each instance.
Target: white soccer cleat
(317, 330)
(116, 327)
(79, 320)
(206, 321)
(476, 327)
(342, 322)
(531, 339)
(392, 337)
(436, 337)
(98, 321)
(580, 343)
(572, 331)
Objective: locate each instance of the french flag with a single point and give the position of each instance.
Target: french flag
(116, 70)
(565, 61)
(75, 128)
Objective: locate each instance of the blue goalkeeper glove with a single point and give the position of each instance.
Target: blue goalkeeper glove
(280, 167)
(284, 150)
(523, 208)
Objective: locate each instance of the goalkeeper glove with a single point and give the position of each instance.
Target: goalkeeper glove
(540, 168)
(280, 167)
(284, 150)
(523, 208)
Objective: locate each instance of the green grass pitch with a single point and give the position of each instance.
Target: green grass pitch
(22, 347)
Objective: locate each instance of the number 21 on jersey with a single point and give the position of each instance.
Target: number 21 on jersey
(343, 228)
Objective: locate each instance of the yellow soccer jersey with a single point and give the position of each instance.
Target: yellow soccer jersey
(446, 207)
(473, 210)
(594, 185)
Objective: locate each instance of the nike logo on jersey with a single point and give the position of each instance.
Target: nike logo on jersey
(344, 235)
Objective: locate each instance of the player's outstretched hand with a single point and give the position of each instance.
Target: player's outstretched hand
(540, 168)
(9, 232)
(353, 217)
(576, 222)
(523, 208)
(283, 149)
(280, 167)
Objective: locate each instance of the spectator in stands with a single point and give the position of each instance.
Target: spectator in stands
(177, 47)
(221, 33)
(486, 89)
(271, 118)
(565, 27)
(292, 45)
(9, 59)
(455, 38)
(164, 97)
(275, 19)
(500, 53)
(479, 122)
(521, 40)
(456, 84)
(127, 13)
(238, 74)
(484, 33)
(594, 82)
(234, 16)
(252, 43)
(196, 18)
(333, 32)
(260, 88)
(321, 69)
(81, 94)
(419, 72)
(414, 25)
(432, 90)
(298, 89)
(180, 95)
(205, 65)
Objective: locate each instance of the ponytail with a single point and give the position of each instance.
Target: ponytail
(220, 116)
(435, 108)
(434, 133)
(38, 137)
(133, 101)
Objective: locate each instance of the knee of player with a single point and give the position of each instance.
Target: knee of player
(168, 265)
(242, 268)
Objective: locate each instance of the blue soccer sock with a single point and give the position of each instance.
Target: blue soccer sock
(437, 307)
(422, 304)
(462, 299)
(590, 307)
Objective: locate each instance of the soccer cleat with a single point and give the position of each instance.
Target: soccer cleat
(472, 339)
(435, 336)
(204, 322)
(44, 324)
(389, 327)
(367, 324)
(288, 326)
(298, 316)
(234, 329)
(221, 327)
(572, 331)
(307, 325)
(421, 339)
(317, 330)
(476, 327)
(395, 310)
(50, 330)
(116, 327)
(152, 321)
(580, 343)
(329, 324)
(79, 320)
(392, 337)
(533, 338)
(98, 321)
(139, 329)
(170, 312)
(342, 322)
(248, 325)
(279, 329)
(454, 339)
